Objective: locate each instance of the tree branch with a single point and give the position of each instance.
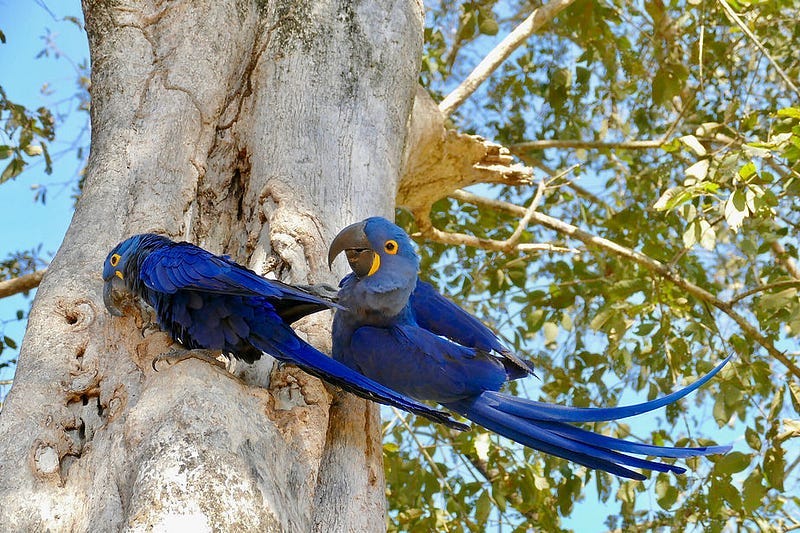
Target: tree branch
(787, 284)
(438, 160)
(653, 265)
(500, 53)
(579, 143)
(24, 283)
(738, 21)
(462, 239)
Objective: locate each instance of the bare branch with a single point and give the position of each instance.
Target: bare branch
(578, 143)
(787, 284)
(507, 245)
(738, 21)
(653, 265)
(462, 239)
(512, 241)
(24, 283)
(500, 53)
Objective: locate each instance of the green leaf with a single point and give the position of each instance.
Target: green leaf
(481, 444)
(752, 438)
(794, 394)
(699, 170)
(601, 318)
(487, 25)
(775, 301)
(736, 210)
(482, 508)
(753, 491)
(668, 82)
(692, 142)
(776, 404)
(13, 169)
(691, 234)
(666, 493)
(700, 231)
(732, 462)
(672, 198)
(775, 467)
(11, 343)
(791, 112)
(730, 495)
(721, 412)
(747, 171)
(550, 331)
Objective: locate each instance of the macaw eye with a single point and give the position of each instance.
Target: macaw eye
(390, 246)
(114, 260)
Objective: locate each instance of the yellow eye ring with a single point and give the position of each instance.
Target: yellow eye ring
(114, 260)
(391, 246)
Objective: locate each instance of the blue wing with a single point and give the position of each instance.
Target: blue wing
(184, 266)
(439, 315)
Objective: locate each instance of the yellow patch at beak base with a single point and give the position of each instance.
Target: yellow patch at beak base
(118, 274)
(376, 264)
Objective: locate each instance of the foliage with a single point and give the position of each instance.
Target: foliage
(717, 201)
(22, 129)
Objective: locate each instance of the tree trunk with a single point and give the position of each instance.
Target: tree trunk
(256, 129)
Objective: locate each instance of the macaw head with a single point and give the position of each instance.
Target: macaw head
(120, 269)
(379, 252)
(114, 270)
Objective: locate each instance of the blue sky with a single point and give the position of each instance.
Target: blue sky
(25, 25)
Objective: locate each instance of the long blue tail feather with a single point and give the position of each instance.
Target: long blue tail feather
(561, 413)
(604, 441)
(534, 436)
(542, 426)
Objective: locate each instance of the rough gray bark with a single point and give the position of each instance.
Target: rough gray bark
(254, 129)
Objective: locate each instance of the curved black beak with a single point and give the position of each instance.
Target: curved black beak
(114, 291)
(354, 243)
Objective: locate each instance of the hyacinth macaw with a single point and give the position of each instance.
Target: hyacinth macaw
(400, 332)
(207, 301)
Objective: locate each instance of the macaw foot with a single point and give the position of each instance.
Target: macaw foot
(176, 356)
(149, 327)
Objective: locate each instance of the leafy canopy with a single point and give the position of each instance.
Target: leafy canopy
(686, 139)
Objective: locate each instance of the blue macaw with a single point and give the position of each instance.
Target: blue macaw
(400, 332)
(207, 301)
